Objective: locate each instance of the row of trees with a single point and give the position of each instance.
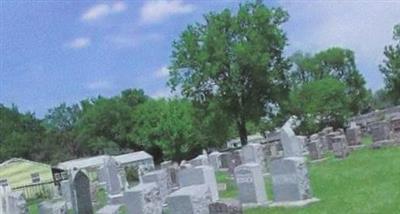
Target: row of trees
(129, 121)
(234, 79)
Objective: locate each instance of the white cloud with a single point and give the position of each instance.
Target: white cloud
(78, 43)
(132, 40)
(102, 10)
(99, 85)
(118, 7)
(162, 72)
(156, 11)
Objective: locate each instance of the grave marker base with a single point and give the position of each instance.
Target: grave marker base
(300, 203)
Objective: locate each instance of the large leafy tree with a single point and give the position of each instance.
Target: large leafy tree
(235, 60)
(337, 63)
(391, 67)
(320, 103)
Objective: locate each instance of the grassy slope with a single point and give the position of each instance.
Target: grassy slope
(368, 181)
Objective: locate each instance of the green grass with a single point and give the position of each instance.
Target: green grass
(367, 140)
(101, 198)
(368, 181)
(231, 189)
(33, 206)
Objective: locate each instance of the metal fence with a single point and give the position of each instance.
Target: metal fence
(44, 190)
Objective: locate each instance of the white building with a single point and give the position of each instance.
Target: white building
(139, 159)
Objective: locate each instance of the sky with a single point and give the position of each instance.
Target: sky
(66, 51)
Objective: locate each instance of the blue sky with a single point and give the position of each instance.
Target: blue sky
(66, 51)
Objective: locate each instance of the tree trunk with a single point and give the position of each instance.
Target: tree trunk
(241, 125)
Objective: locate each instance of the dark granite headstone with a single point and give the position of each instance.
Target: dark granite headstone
(339, 146)
(82, 202)
(226, 207)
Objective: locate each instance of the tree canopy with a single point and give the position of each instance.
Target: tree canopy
(334, 62)
(234, 60)
(320, 103)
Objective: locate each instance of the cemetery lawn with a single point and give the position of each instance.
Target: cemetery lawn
(368, 181)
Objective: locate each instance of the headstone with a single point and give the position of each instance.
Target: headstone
(226, 158)
(324, 141)
(12, 202)
(250, 182)
(199, 175)
(165, 164)
(65, 188)
(124, 179)
(53, 207)
(190, 200)
(339, 146)
(109, 209)
(327, 130)
(81, 199)
(273, 150)
(236, 160)
(160, 177)
(226, 207)
(185, 165)
(380, 132)
(353, 135)
(93, 191)
(201, 160)
(395, 126)
(253, 153)
(110, 174)
(303, 142)
(214, 160)
(171, 169)
(315, 149)
(17, 203)
(329, 138)
(290, 179)
(143, 199)
(4, 191)
(290, 142)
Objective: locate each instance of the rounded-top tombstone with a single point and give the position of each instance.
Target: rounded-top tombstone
(81, 188)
